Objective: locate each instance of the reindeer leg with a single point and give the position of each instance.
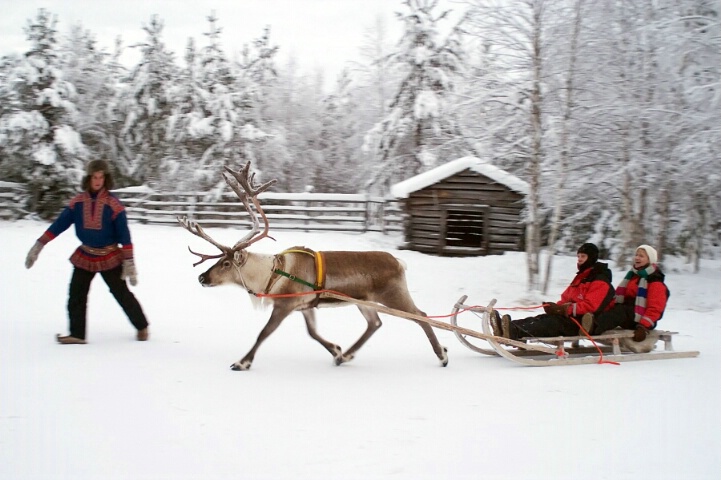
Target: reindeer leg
(374, 323)
(440, 351)
(407, 305)
(334, 349)
(278, 315)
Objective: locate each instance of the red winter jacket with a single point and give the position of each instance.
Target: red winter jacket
(588, 291)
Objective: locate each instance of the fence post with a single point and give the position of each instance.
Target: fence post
(381, 215)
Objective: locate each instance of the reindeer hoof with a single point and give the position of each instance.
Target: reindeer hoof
(337, 353)
(444, 357)
(240, 366)
(343, 358)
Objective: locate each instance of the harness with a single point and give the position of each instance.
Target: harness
(277, 270)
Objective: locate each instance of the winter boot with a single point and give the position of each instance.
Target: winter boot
(496, 324)
(506, 326)
(143, 334)
(587, 324)
(69, 340)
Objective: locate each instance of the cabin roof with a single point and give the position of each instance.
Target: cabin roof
(405, 188)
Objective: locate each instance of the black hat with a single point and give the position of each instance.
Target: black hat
(592, 251)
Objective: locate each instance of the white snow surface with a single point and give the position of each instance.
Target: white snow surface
(171, 408)
(405, 188)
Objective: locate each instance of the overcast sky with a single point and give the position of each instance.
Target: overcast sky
(318, 33)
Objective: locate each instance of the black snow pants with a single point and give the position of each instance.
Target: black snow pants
(621, 315)
(543, 325)
(78, 299)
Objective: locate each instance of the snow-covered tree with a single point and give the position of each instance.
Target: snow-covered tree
(338, 142)
(204, 118)
(96, 75)
(146, 104)
(419, 123)
(515, 32)
(373, 77)
(39, 142)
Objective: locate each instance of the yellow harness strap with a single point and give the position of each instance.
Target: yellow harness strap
(319, 264)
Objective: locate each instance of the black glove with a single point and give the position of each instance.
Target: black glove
(640, 334)
(548, 307)
(555, 309)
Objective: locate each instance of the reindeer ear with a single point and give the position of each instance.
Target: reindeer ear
(237, 256)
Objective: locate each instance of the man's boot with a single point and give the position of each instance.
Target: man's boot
(586, 324)
(69, 340)
(506, 326)
(143, 334)
(496, 324)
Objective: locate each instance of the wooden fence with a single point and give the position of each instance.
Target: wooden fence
(285, 211)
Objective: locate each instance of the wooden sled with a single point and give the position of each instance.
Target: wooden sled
(533, 352)
(614, 346)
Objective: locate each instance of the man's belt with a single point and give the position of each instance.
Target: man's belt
(101, 251)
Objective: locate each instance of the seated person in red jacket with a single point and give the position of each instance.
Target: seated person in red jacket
(640, 298)
(590, 292)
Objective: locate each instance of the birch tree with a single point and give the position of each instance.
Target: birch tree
(564, 146)
(515, 31)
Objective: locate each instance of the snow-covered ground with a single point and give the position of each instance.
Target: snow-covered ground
(171, 408)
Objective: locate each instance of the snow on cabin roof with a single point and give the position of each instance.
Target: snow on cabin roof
(425, 179)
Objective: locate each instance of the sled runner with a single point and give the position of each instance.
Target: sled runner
(610, 347)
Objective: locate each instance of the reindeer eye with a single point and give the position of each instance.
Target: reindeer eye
(226, 263)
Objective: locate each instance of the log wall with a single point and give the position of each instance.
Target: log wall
(491, 211)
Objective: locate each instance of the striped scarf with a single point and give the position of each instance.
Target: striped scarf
(640, 307)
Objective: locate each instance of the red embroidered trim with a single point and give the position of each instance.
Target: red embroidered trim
(96, 264)
(46, 237)
(114, 205)
(77, 198)
(93, 211)
(128, 251)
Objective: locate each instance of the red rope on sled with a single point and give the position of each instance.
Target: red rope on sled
(600, 352)
(533, 307)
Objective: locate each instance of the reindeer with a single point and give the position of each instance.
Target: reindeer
(371, 276)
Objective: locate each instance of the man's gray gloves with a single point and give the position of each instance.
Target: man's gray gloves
(129, 271)
(33, 254)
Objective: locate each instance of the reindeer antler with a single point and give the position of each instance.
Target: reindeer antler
(197, 230)
(247, 181)
(244, 186)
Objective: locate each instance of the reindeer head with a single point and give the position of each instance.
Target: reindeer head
(231, 260)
